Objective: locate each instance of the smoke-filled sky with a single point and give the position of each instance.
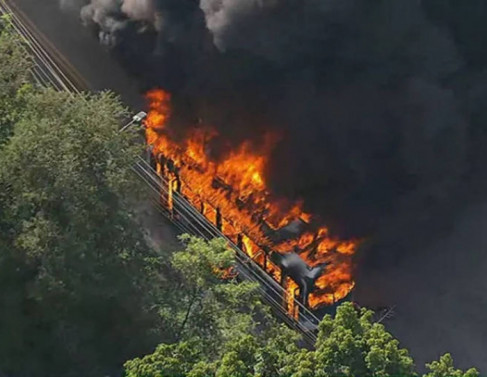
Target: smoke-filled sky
(365, 93)
(379, 104)
(382, 108)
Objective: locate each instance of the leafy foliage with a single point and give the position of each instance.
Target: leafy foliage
(444, 368)
(75, 281)
(14, 75)
(352, 345)
(222, 327)
(229, 334)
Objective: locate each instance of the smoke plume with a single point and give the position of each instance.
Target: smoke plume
(367, 96)
(139, 9)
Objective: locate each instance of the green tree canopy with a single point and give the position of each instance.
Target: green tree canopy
(221, 326)
(352, 345)
(72, 259)
(228, 333)
(445, 368)
(76, 281)
(14, 75)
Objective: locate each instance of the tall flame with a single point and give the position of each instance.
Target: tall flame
(235, 185)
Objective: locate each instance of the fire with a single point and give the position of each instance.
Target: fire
(232, 193)
(292, 291)
(159, 109)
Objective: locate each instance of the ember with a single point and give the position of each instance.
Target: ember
(233, 194)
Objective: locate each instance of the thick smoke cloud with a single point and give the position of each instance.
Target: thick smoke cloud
(272, 28)
(376, 134)
(382, 107)
(139, 9)
(369, 123)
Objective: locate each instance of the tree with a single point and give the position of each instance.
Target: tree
(352, 345)
(74, 270)
(225, 336)
(444, 368)
(14, 75)
(223, 328)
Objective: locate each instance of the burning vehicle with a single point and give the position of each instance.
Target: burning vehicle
(290, 245)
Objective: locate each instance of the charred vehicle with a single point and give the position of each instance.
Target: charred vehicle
(292, 248)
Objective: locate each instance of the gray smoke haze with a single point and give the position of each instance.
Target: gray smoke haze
(273, 28)
(375, 113)
(139, 9)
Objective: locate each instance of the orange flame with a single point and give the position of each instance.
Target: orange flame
(235, 187)
(292, 291)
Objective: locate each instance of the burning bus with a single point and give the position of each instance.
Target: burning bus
(290, 245)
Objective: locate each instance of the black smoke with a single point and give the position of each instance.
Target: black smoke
(380, 104)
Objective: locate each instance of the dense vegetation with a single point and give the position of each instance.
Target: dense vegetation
(75, 287)
(81, 291)
(228, 332)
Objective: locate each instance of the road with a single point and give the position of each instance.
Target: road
(89, 65)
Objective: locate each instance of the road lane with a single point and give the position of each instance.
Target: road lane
(50, 67)
(77, 46)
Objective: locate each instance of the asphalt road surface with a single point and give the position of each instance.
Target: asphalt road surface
(439, 292)
(80, 48)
